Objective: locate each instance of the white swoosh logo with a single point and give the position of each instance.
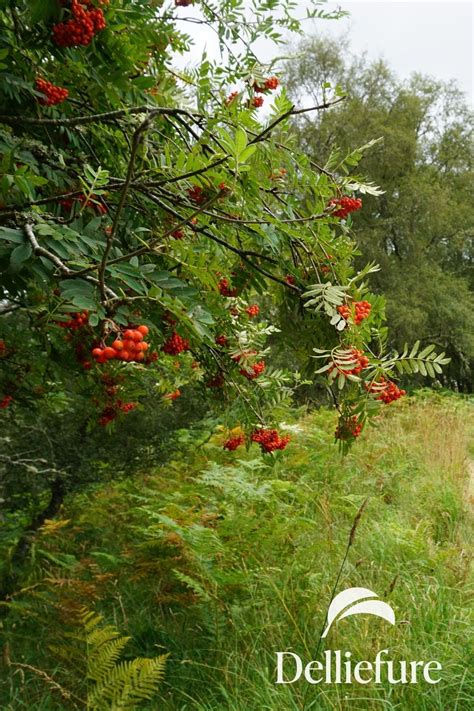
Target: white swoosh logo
(355, 600)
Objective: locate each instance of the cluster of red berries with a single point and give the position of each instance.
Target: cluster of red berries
(172, 396)
(253, 371)
(234, 442)
(175, 344)
(52, 94)
(177, 234)
(77, 320)
(132, 348)
(221, 340)
(269, 440)
(269, 84)
(3, 347)
(361, 359)
(5, 401)
(348, 428)
(257, 102)
(231, 98)
(345, 206)
(225, 288)
(290, 279)
(110, 412)
(362, 310)
(196, 194)
(252, 310)
(386, 390)
(183, 3)
(81, 28)
(93, 202)
(361, 362)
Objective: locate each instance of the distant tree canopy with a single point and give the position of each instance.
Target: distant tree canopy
(421, 229)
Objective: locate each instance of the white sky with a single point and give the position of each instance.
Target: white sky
(432, 37)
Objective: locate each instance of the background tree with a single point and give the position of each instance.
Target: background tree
(420, 230)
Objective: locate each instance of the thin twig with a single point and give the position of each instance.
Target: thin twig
(93, 118)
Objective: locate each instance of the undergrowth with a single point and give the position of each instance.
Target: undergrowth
(220, 560)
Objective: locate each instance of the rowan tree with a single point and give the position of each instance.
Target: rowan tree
(144, 213)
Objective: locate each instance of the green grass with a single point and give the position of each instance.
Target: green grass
(222, 560)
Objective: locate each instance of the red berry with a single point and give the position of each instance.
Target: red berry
(234, 442)
(175, 344)
(345, 206)
(269, 440)
(256, 102)
(253, 310)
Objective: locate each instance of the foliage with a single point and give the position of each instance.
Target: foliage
(221, 562)
(149, 198)
(420, 229)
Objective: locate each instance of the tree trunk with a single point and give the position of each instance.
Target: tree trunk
(23, 545)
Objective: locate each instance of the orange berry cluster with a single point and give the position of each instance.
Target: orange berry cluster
(348, 428)
(234, 442)
(52, 94)
(386, 390)
(131, 348)
(175, 344)
(345, 205)
(254, 370)
(253, 310)
(257, 102)
(81, 28)
(269, 84)
(77, 320)
(362, 310)
(172, 396)
(269, 440)
(361, 362)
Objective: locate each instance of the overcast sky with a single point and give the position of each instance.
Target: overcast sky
(432, 37)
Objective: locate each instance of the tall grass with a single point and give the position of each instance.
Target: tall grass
(223, 560)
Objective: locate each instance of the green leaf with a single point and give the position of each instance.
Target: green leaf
(20, 255)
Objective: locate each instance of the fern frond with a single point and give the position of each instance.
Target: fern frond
(128, 684)
(103, 659)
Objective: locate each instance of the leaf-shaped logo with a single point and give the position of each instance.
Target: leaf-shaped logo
(353, 601)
